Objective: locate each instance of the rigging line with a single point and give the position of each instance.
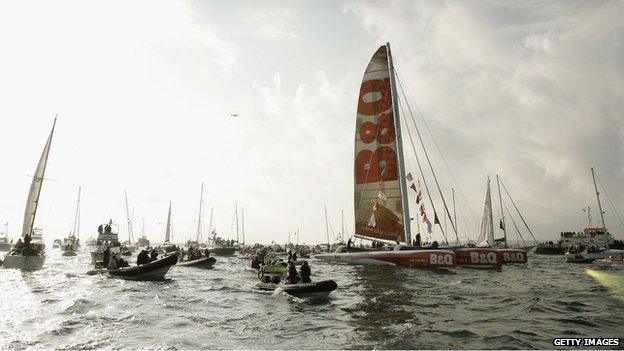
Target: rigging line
(448, 167)
(428, 161)
(514, 223)
(422, 174)
(516, 207)
(617, 214)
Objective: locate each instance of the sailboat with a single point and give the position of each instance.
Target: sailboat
(219, 246)
(380, 196)
(168, 228)
(127, 248)
(143, 241)
(71, 243)
(497, 251)
(32, 255)
(5, 244)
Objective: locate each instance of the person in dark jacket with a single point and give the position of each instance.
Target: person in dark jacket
(143, 258)
(255, 263)
(305, 272)
(154, 256)
(292, 274)
(107, 255)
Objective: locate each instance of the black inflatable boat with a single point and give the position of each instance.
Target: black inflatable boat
(151, 271)
(204, 262)
(303, 290)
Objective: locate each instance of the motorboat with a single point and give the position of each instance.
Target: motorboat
(203, 262)
(313, 290)
(108, 237)
(155, 270)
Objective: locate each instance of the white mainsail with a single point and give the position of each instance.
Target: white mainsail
(168, 230)
(35, 188)
(486, 232)
(378, 197)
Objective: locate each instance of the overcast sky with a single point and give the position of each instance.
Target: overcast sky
(144, 90)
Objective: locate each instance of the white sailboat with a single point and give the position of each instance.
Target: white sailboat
(143, 241)
(380, 196)
(32, 256)
(168, 228)
(71, 244)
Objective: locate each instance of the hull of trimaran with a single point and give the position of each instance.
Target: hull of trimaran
(404, 258)
(25, 263)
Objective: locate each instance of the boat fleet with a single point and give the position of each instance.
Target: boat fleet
(384, 193)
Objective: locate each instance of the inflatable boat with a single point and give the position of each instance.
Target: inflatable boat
(204, 262)
(155, 270)
(319, 290)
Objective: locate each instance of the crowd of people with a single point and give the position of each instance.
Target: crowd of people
(26, 247)
(262, 262)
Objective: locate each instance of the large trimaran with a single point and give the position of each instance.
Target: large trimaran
(380, 191)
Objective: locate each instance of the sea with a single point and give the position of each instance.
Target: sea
(374, 307)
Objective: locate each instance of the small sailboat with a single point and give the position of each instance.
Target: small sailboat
(167, 246)
(380, 196)
(5, 244)
(72, 242)
(143, 241)
(219, 246)
(194, 256)
(32, 255)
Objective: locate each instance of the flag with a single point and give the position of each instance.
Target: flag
(424, 216)
(413, 186)
(382, 196)
(502, 226)
(436, 220)
(419, 197)
(422, 209)
(372, 222)
(429, 226)
(375, 205)
(409, 177)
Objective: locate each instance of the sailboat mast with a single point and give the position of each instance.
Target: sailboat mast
(201, 202)
(210, 224)
(454, 212)
(168, 228)
(342, 225)
(236, 216)
(128, 218)
(401, 159)
(243, 223)
(326, 225)
(143, 228)
(598, 198)
(500, 198)
(77, 215)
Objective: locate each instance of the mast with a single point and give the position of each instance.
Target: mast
(407, 221)
(201, 202)
(489, 205)
(35, 187)
(143, 229)
(77, 216)
(604, 226)
(243, 223)
(168, 229)
(502, 213)
(454, 211)
(236, 216)
(128, 218)
(210, 224)
(326, 225)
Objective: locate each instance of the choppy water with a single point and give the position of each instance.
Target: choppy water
(374, 307)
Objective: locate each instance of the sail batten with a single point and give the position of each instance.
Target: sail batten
(32, 201)
(378, 192)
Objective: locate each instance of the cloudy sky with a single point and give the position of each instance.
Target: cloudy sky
(144, 90)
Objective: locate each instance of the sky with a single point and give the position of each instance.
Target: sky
(144, 92)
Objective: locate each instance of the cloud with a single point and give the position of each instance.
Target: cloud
(531, 91)
(273, 22)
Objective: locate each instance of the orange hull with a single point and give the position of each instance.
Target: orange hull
(511, 256)
(404, 258)
(479, 257)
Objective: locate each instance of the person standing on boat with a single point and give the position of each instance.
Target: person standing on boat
(207, 252)
(417, 240)
(349, 242)
(154, 255)
(305, 272)
(106, 257)
(292, 274)
(143, 258)
(112, 262)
